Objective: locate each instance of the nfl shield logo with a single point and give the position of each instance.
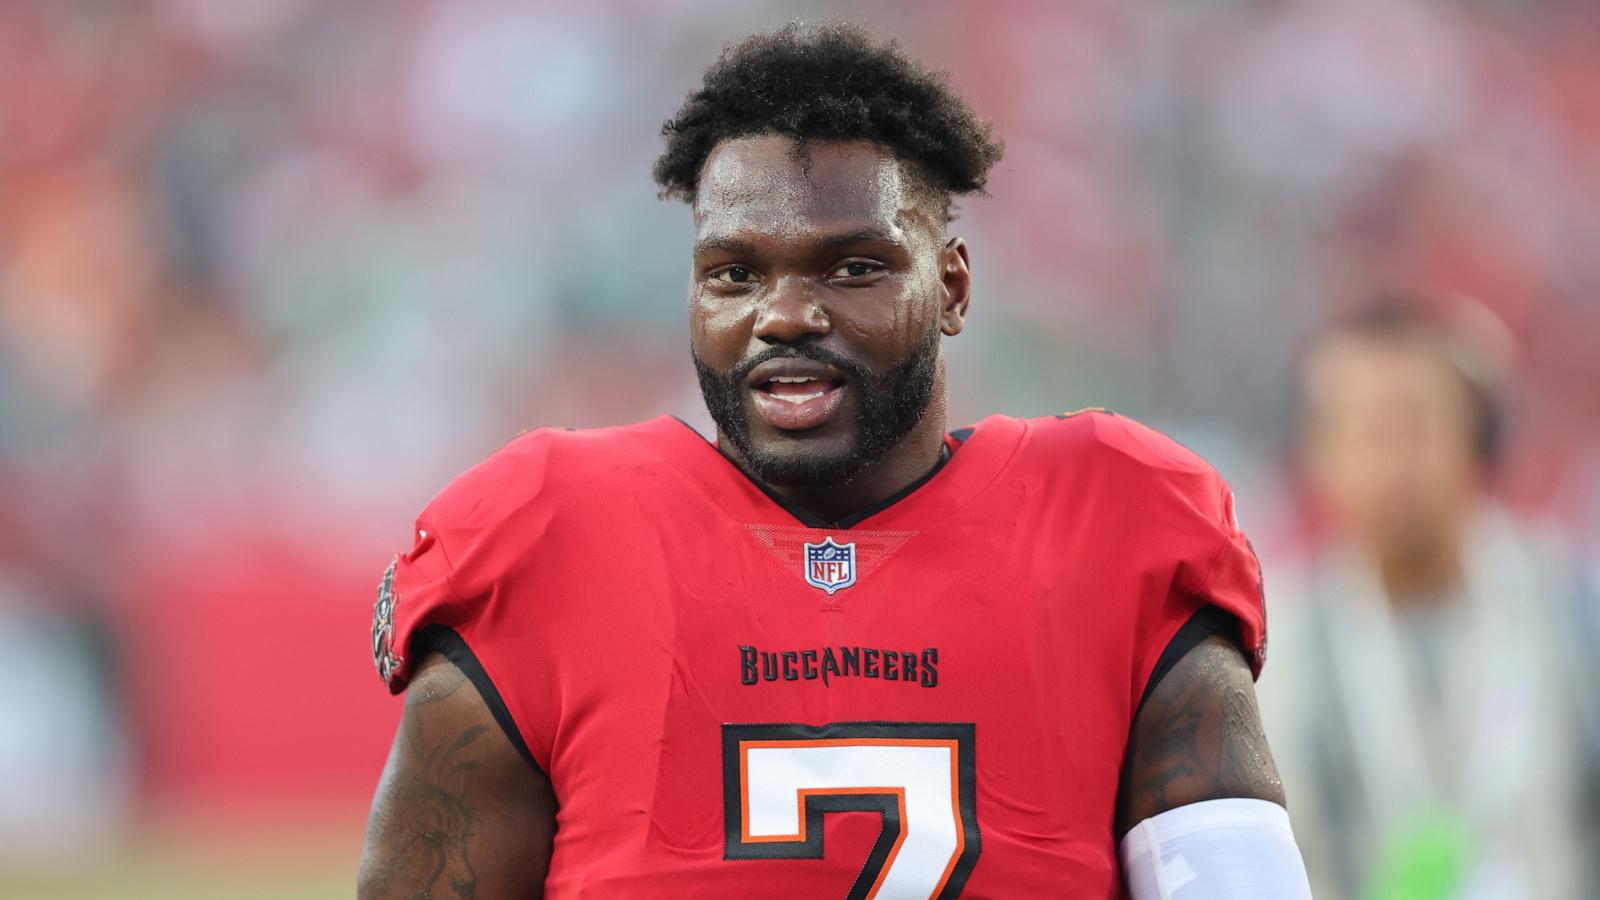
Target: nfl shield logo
(830, 566)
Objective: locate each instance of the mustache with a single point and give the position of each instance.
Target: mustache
(856, 370)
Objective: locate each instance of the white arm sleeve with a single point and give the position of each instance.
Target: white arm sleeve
(1232, 849)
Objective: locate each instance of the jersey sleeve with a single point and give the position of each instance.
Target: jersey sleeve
(464, 545)
(1215, 585)
(453, 593)
(1190, 543)
(415, 593)
(1231, 576)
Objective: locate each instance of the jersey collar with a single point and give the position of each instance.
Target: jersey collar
(960, 476)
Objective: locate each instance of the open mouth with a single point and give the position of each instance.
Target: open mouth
(797, 402)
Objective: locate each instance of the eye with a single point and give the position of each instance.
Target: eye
(732, 275)
(856, 268)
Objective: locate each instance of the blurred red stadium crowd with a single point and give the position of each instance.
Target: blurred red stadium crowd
(270, 272)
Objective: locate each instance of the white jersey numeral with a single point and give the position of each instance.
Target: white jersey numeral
(781, 780)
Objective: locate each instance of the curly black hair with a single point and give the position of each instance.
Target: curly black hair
(829, 82)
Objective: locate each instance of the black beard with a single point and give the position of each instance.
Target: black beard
(888, 406)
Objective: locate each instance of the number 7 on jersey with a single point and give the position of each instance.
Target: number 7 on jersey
(779, 781)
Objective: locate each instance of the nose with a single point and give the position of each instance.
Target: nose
(790, 314)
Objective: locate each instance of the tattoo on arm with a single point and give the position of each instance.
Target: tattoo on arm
(1198, 737)
(431, 818)
(459, 812)
(440, 825)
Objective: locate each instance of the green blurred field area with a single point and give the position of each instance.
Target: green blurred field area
(189, 866)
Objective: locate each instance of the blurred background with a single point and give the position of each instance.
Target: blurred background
(272, 271)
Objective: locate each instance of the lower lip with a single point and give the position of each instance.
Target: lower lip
(786, 416)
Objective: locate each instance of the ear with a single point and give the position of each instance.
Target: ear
(955, 282)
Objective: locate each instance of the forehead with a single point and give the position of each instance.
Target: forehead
(1364, 372)
(769, 185)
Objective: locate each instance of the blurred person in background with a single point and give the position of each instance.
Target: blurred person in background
(65, 769)
(1428, 702)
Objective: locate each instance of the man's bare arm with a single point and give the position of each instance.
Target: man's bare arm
(1198, 737)
(459, 813)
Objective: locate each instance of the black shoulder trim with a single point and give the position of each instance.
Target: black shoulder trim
(1206, 621)
(444, 641)
(960, 435)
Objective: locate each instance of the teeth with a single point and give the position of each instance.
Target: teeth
(791, 379)
(797, 399)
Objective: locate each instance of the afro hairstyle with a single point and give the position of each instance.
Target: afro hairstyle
(832, 82)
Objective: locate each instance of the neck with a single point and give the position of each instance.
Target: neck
(903, 466)
(1420, 574)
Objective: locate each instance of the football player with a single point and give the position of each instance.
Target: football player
(841, 651)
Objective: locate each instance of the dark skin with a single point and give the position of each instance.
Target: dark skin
(459, 813)
(839, 246)
(1198, 737)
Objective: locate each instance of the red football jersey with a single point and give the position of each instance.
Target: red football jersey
(932, 698)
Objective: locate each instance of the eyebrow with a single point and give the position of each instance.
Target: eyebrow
(723, 245)
(729, 244)
(859, 236)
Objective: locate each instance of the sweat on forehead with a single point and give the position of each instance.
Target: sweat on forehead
(774, 182)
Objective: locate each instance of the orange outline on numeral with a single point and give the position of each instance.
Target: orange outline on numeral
(899, 792)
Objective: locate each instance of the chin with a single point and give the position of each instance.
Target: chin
(792, 463)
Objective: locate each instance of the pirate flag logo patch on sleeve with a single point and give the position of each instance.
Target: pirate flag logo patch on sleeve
(383, 655)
